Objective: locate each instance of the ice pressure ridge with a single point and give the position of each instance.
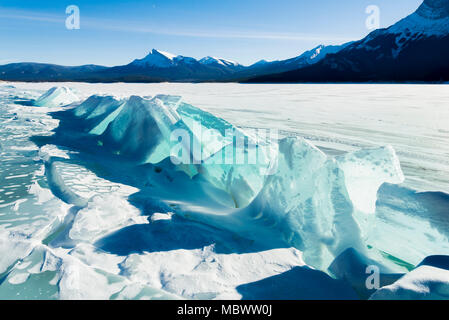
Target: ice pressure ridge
(294, 195)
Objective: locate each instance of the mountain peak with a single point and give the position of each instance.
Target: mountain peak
(434, 9)
(167, 55)
(161, 59)
(224, 62)
(156, 58)
(430, 19)
(317, 51)
(260, 62)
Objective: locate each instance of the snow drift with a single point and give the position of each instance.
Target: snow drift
(429, 281)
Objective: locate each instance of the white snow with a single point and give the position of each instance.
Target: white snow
(165, 54)
(423, 283)
(415, 25)
(221, 61)
(102, 215)
(156, 58)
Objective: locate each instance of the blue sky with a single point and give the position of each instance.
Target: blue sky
(116, 32)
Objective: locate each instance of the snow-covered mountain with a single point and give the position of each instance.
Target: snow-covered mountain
(315, 55)
(163, 66)
(307, 58)
(414, 49)
(160, 66)
(161, 59)
(180, 68)
(431, 19)
(218, 61)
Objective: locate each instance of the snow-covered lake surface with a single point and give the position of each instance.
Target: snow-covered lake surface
(76, 224)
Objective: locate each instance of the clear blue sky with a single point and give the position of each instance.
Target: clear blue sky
(115, 32)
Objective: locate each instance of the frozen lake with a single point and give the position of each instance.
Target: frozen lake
(414, 119)
(77, 224)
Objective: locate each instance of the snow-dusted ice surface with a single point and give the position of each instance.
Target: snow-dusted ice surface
(92, 207)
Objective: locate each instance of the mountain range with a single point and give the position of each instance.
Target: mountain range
(160, 66)
(414, 49)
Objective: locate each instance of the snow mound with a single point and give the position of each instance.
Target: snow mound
(423, 283)
(56, 97)
(102, 215)
(65, 276)
(317, 54)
